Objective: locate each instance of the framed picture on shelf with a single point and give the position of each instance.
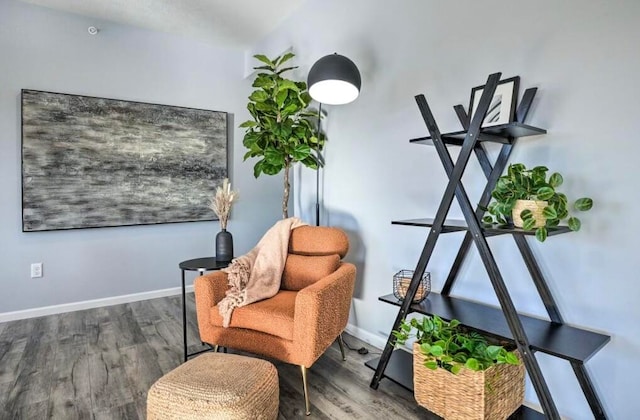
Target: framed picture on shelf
(502, 108)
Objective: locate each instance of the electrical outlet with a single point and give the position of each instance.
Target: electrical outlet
(36, 270)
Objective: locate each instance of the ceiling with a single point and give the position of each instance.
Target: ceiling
(223, 23)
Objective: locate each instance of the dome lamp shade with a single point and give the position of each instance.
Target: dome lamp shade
(334, 80)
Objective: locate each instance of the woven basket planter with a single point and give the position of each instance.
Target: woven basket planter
(494, 393)
(536, 207)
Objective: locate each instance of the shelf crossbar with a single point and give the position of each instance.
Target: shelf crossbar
(492, 176)
(589, 390)
(453, 186)
(470, 139)
(523, 246)
(511, 315)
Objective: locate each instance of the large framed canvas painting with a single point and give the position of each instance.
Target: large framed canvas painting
(94, 162)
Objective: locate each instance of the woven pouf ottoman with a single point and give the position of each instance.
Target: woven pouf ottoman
(216, 386)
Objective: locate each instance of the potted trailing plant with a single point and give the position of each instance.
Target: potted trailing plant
(280, 132)
(529, 198)
(459, 374)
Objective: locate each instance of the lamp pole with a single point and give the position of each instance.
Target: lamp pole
(318, 169)
(333, 80)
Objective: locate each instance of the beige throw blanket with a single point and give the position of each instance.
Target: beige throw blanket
(256, 275)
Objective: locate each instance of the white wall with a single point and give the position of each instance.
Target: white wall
(582, 55)
(49, 50)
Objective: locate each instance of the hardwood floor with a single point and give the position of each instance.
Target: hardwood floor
(100, 363)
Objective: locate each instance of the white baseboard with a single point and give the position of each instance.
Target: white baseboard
(89, 304)
(372, 339)
(364, 335)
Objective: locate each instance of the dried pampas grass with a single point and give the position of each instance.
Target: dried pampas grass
(223, 200)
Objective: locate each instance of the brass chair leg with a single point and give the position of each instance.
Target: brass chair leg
(341, 344)
(305, 390)
(215, 348)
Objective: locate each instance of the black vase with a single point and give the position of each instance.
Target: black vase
(224, 246)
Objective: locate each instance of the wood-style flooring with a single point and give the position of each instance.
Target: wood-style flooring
(100, 363)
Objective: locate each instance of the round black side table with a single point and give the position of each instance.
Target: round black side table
(200, 265)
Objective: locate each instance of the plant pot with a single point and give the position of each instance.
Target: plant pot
(494, 393)
(536, 207)
(224, 246)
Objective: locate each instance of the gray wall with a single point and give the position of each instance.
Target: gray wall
(48, 50)
(583, 56)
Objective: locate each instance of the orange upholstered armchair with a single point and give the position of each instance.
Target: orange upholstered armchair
(300, 322)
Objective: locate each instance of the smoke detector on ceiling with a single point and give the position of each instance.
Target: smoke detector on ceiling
(93, 30)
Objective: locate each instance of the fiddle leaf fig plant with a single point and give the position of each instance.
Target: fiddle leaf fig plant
(281, 131)
(448, 345)
(521, 183)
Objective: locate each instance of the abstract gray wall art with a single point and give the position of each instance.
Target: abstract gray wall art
(93, 162)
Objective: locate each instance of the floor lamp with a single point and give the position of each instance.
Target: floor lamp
(332, 80)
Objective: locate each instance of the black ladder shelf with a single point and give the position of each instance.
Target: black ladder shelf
(529, 334)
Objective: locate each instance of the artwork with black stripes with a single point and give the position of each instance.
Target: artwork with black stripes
(93, 162)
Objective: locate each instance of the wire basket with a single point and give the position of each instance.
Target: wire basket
(402, 280)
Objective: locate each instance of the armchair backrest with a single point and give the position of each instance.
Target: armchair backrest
(314, 253)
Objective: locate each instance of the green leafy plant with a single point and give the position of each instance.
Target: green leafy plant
(448, 345)
(281, 131)
(521, 183)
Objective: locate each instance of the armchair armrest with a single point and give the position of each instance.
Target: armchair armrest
(209, 290)
(322, 313)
